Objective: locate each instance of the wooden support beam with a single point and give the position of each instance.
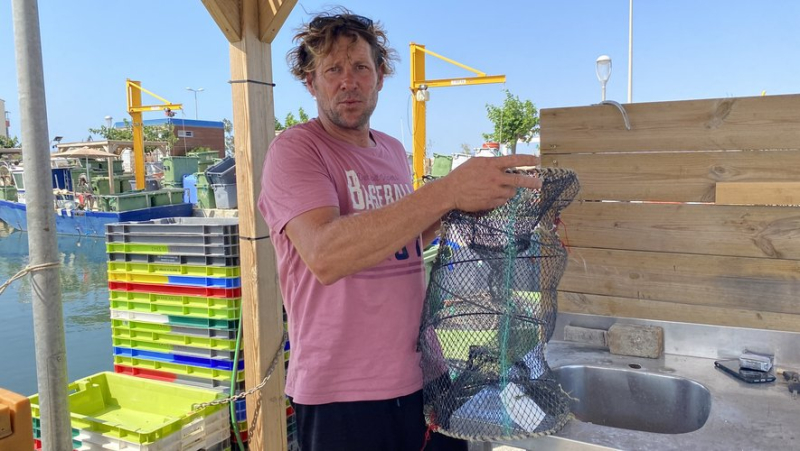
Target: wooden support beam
(744, 123)
(227, 15)
(758, 193)
(621, 307)
(262, 313)
(271, 16)
(766, 285)
(673, 176)
(705, 229)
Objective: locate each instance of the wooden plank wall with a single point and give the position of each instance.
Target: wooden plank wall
(648, 238)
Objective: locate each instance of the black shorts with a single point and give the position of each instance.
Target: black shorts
(392, 425)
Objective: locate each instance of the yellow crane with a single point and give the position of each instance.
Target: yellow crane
(420, 95)
(135, 109)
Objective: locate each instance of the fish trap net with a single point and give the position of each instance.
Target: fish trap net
(490, 309)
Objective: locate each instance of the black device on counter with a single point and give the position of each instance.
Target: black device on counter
(750, 376)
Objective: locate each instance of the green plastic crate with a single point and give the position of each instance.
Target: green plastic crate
(202, 180)
(133, 409)
(205, 197)
(172, 185)
(167, 196)
(123, 182)
(100, 185)
(204, 165)
(9, 193)
(77, 173)
(124, 202)
(442, 165)
(166, 308)
(173, 339)
(176, 167)
(205, 156)
(102, 165)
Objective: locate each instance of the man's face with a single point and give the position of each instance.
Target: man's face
(346, 84)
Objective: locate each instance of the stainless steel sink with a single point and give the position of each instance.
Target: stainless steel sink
(635, 399)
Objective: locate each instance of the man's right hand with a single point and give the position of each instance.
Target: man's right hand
(482, 183)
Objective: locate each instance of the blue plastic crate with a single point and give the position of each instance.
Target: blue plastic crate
(241, 410)
(215, 364)
(223, 282)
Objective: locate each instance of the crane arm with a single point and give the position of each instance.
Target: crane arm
(135, 109)
(420, 95)
(445, 82)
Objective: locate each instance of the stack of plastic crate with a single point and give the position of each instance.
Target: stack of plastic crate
(120, 412)
(175, 297)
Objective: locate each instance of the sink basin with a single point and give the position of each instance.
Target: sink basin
(635, 399)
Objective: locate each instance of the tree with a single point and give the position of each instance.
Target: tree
(513, 122)
(291, 120)
(8, 143)
(164, 132)
(227, 126)
(303, 115)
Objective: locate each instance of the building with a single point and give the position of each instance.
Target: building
(191, 134)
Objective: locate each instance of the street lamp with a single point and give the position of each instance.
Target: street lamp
(195, 91)
(603, 70)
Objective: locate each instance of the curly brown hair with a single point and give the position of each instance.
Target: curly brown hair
(316, 38)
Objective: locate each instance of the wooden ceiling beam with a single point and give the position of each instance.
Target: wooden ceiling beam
(271, 16)
(227, 14)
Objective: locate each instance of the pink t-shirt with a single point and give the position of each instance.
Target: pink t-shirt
(354, 340)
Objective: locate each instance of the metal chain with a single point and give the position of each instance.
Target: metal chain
(244, 394)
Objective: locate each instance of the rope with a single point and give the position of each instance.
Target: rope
(511, 255)
(26, 270)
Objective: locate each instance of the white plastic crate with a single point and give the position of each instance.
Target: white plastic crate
(195, 436)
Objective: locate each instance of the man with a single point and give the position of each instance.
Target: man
(348, 232)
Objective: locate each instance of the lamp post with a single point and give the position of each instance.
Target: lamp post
(603, 70)
(195, 91)
(630, 53)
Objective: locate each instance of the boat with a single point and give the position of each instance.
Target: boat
(78, 209)
(89, 222)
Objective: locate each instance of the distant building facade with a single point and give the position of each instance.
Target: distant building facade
(192, 134)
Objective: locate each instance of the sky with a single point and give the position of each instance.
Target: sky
(682, 49)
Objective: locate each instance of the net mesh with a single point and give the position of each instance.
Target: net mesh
(489, 310)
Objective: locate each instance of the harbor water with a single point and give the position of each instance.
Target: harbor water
(84, 287)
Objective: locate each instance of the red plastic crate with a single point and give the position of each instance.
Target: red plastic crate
(176, 289)
(145, 373)
(37, 444)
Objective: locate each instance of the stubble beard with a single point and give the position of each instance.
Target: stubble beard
(359, 123)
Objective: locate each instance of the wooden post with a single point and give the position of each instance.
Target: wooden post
(262, 314)
(250, 26)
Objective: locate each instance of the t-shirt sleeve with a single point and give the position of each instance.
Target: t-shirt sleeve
(294, 180)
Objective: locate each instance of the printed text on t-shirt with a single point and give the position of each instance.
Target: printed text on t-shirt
(372, 196)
